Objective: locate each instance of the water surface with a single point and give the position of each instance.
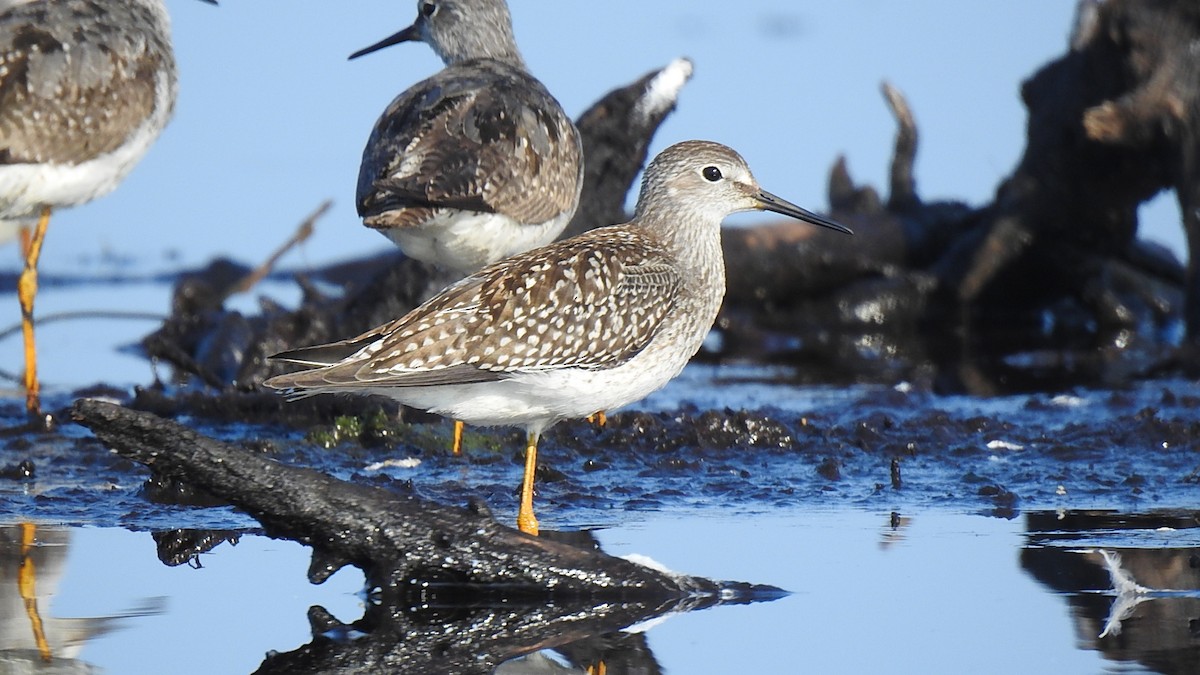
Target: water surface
(931, 591)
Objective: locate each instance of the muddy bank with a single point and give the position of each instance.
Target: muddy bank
(875, 447)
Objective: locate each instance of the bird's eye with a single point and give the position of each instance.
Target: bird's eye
(428, 9)
(711, 174)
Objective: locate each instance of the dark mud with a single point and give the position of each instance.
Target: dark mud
(1134, 448)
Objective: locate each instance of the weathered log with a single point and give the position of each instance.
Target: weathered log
(424, 562)
(616, 132)
(783, 265)
(1110, 124)
(827, 303)
(847, 198)
(394, 539)
(903, 185)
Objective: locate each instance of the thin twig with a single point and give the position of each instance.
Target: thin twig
(903, 189)
(86, 314)
(303, 232)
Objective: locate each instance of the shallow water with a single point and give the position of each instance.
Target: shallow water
(982, 558)
(931, 591)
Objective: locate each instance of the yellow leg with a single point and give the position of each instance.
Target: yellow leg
(26, 292)
(26, 234)
(598, 418)
(458, 431)
(26, 585)
(526, 521)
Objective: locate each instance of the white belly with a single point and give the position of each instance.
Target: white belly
(465, 241)
(536, 400)
(10, 228)
(27, 188)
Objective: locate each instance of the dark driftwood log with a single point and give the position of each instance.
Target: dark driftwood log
(1111, 123)
(394, 539)
(803, 296)
(787, 264)
(616, 133)
(902, 196)
(453, 590)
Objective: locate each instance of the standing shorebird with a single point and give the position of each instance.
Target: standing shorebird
(476, 163)
(479, 161)
(590, 323)
(86, 86)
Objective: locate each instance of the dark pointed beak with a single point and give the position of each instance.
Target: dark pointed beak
(769, 202)
(211, 2)
(410, 34)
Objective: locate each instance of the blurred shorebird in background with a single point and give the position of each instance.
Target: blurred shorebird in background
(86, 86)
(477, 162)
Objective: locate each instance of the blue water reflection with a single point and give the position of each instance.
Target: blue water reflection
(220, 618)
(872, 592)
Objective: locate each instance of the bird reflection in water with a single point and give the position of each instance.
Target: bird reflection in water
(1132, 581)
(32, 561)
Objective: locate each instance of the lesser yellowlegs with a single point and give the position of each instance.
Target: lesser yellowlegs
(590, 323)
(86, 86)
(477, 162)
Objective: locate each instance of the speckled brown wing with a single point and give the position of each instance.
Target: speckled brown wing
(591, 302)
(480, 136)
(57, 62)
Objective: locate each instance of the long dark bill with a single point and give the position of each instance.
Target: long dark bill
(409, 34)
(769, 202)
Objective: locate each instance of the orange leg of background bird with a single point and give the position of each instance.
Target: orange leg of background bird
(26, 234)
(598, 418)
(26, 585)
(526, 521)
(26, 292)
(458, 431)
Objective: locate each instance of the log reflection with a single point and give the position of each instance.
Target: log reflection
(1152, 614)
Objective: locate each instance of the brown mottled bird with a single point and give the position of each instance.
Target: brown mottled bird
(86, 86)
(590, 323)
(477, 162)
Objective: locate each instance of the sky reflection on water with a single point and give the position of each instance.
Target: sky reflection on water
(937, 592)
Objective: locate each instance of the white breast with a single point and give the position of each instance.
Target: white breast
(26, 188)
(537, 399)
(465, 241)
